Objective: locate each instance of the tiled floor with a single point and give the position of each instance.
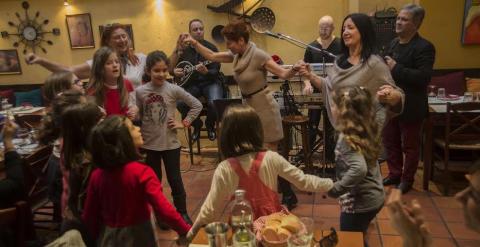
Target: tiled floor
(443, 214)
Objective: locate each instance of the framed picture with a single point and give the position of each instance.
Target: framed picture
(471, 23)
(9, 62)
(80, 31)
(129, 32)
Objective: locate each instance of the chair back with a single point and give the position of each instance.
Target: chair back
(16, 218)
(35, 169)
(29, 120)
(463, 123)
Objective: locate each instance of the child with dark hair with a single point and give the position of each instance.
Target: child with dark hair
(58, 82)
(50, 133)
(78, 121)
(157, 103)
(359, 182)
(250, 167)
(107, 86)
(121, 191)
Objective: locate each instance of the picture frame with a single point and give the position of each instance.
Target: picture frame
(129, 30)
(471, 22)
(9, 62)
(80, 31)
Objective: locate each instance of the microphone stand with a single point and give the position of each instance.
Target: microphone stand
(298, 43)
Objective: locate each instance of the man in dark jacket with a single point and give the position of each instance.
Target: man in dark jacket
(410, 58)
(204, 79)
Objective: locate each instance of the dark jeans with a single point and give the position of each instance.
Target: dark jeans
(314, 116)
(171, 162)
(399, 139)
(357, 222)
(211, 91)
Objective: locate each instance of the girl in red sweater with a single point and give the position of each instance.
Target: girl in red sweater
(108, 88)
(121, 191)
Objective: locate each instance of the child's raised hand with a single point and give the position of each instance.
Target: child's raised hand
(174, 124)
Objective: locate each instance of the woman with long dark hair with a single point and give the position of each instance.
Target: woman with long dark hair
(358, 65)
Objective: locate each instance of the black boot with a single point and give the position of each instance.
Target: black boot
(180, 203)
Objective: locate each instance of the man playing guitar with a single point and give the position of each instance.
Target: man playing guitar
(200, 77)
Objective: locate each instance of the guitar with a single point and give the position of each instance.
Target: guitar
(188, 69)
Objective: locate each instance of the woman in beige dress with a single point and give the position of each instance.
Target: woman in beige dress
(250, 66)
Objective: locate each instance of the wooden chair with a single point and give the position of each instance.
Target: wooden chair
(462, 133)
(16, 219)
(37, 191)
(29, 120)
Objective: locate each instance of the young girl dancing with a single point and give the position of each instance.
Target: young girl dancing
(359, 182)
(157, 101)
(108, 88)
(121, 191)
(251, 168)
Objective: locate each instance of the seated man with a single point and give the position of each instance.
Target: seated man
(204, 80)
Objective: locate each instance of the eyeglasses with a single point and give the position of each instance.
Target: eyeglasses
(331, 240)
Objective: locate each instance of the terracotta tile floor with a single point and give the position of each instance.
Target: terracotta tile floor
(443, 214)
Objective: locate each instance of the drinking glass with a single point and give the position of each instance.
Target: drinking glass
(441, 93)
(235, 92)
(217, 234)
(476, 96)
(304, 237)
(468, 97)
(431, 91)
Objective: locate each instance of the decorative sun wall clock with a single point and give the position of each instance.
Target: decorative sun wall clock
(30, 31)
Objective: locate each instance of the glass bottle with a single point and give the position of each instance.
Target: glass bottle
(241, 211)
(243, 236)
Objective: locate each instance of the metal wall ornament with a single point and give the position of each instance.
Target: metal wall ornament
(30, 31)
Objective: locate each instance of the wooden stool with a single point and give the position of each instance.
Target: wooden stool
(289, 122)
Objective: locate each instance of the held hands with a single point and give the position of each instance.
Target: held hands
(132, 112)
(182, 241)
(388, 95)
(303, 69)
(174, 124)
(390, 62)
(408, 221)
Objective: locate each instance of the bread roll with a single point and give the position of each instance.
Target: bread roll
(283, 234)
(269, 233)
(291, 223)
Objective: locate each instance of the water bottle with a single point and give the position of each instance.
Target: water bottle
(241, 211)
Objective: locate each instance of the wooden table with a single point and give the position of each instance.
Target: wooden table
(345, 239)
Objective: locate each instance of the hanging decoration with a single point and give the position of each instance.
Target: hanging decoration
(30, 32)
